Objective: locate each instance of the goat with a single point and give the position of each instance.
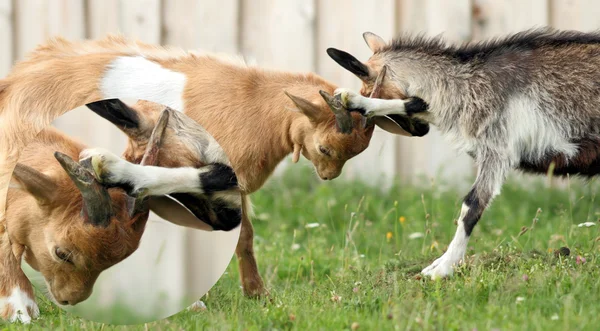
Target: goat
(65, 224)
(70, 227)
(527, 101)
(246, 109)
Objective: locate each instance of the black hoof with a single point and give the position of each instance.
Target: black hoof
(220, 178)
(415, 105)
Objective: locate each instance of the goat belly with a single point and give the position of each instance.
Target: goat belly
(586, 162)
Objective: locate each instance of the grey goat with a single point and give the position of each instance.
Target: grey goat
(529, 101)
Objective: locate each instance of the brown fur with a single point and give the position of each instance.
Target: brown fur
(244, 108)
(40, 226)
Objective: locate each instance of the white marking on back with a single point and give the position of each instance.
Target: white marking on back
(19, 301)
(136, 77)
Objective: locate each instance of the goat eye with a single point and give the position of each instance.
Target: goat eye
(324, 150)
(63, 255)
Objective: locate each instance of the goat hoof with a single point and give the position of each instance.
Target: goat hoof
(220, 177)
(19, 306)
(104, 163)
(443, 267)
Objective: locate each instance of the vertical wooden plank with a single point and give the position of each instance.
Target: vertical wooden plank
(279, 33)
(6, 37)
(431, 155)
(341, 25)
(52, 18)
(140, 19)
(575, 14)
(103, 17)
(210, 25)
(497, 18)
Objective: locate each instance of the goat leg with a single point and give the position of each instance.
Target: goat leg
(17, 301)
(492, 170)
(380, 107)
(252, 284)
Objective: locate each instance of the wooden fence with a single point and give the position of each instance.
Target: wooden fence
(293, 35)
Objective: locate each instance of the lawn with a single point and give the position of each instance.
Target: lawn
(344, 255)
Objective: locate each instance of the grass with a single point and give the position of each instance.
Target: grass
(359, 268)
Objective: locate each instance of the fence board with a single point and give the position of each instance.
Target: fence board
(194, 24)
(341, 25)
(6, 36)
(497, 18)
(140, 19)
(288, 46)
(575, 14)
(52, 18)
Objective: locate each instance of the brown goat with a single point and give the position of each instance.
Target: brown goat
(244, 108)
(71, 228)
(64, 223)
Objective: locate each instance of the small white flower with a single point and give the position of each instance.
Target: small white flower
(586, 224)
(554, 317)
(263, 216)
(520, 299)
(295, 247)
(416, 235)
(362, 255)
(312, 225)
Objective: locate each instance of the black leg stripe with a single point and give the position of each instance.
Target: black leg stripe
(474, 202)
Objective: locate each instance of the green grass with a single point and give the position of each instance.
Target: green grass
(361, 267)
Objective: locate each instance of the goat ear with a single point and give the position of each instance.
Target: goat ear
(312, 111)
(351, 64)
(118, 113)
(42, 187)
(374, 41)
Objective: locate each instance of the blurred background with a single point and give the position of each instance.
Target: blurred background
(286, 35)
(293, 35)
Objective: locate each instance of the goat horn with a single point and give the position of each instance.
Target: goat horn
(375, 93)
(343, 119)
(97, 205)
(150, 158)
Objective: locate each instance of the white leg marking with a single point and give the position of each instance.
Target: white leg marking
(19, 303)
(146, 180)
(443, 266)
(138, 78)
(372, 107)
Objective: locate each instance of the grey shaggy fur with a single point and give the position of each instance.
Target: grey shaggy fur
(529, 101)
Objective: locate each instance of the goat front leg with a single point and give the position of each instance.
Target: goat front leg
(17, 301)
(252, 283)
(379, 107)
(140, 181)
(492, 172)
